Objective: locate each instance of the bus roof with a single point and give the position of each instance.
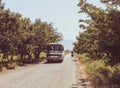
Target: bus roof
(54, 44)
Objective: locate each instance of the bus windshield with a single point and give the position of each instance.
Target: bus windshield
(55, 48)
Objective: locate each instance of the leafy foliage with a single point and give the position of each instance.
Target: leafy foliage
(99, 73)
(100, 41)
(101, 35)
(19, 36)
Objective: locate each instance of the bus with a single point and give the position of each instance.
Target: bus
(55, 52)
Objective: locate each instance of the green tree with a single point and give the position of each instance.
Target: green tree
(8, 32)
(44, 34)
(19, 36)
(101, 35)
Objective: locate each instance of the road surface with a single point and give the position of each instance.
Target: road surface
(45, 75)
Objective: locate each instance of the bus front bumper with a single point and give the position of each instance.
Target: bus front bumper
(54, 58)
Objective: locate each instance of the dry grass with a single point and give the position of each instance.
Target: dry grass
(81, 68)
(82, 75)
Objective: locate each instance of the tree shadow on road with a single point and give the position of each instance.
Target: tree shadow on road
(52, 62)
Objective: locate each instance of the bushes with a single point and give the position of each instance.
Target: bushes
(100, 39)
(11, 65)
(100, 73)
(84, 58)
(23, 38)
(116, 75)
(42, 55)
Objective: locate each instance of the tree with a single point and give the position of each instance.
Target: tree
(44, 34)
(19, 36)
(101, 35)
(8, 32)
(114, 2)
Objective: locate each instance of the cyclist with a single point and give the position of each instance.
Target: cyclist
(72, 54)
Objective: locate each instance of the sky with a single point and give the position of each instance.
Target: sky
(62, 13)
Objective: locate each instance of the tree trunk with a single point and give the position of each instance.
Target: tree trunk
(36, 56)
(11, 59)
(21, 58)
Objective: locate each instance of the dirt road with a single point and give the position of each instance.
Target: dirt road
(46, 75)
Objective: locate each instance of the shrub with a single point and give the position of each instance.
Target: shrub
(11, 65)
(99, 73)
(67, 52)
(83, 58)
(42, 55)
(116, 75)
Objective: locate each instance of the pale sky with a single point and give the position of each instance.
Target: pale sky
(62, 13)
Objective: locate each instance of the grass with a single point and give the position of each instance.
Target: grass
(42, 55)
(12, 64)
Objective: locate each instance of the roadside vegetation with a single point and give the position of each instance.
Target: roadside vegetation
(67, 52)
(21, 40)
(99, 45)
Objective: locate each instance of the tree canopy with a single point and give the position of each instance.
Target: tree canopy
(20, 36)
(101, 36)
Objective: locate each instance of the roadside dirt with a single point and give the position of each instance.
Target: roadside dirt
(81, 75)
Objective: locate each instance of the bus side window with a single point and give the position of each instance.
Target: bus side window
(50, 47)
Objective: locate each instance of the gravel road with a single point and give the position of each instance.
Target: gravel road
(45, 75)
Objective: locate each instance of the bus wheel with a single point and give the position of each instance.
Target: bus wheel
(61, 61)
